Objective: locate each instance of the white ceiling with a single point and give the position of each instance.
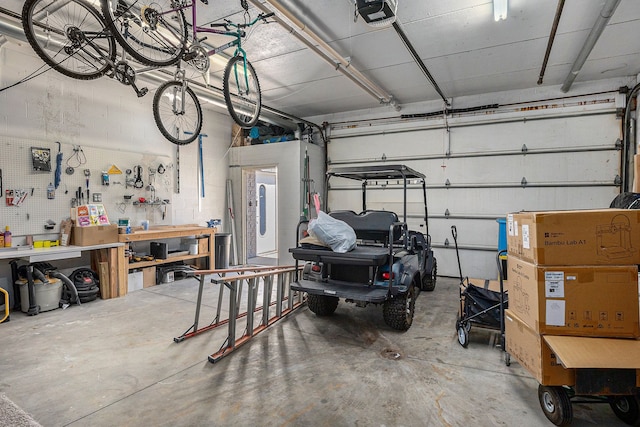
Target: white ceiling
(465, 50)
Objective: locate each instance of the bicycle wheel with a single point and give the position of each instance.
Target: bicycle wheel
(178, 117)
(71, 37)
(149, 30)
(242, 92)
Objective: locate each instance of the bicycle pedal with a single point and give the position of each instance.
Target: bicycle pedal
(142, 92)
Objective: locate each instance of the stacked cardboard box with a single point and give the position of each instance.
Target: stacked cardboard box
(571, 274)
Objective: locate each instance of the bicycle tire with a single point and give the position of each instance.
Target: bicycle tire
(150, 37)
(173, 124)
(86, 54)
(244, 110)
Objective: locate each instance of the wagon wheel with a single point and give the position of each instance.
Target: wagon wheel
(555, 403)
(463, 333)
(627, 408)
(466, 324)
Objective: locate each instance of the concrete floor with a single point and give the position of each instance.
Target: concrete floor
(114, 363)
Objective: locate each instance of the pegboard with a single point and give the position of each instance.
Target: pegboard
(20, 172)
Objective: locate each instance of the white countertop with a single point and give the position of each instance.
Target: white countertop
(48, 254)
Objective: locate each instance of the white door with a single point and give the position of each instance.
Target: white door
(266, 213)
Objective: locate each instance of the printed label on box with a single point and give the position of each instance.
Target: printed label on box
(525, 236)
(510, 224)
(555, 312)
(554, 284)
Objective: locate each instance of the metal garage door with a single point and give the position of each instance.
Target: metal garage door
(481, 166)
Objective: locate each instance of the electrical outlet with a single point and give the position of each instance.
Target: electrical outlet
(97, 197)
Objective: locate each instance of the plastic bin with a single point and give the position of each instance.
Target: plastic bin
(222, 242)
(47, 295)
(502, 234)
(502, 244)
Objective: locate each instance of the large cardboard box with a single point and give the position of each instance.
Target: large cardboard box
(203, 245)
(530, 350)
(585, 237)
(148, 277)
(596, 301)
(94, 235)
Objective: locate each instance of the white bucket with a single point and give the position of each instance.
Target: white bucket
(193, 249)
(47, 295)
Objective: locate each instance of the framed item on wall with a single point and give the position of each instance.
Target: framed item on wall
(41, 158)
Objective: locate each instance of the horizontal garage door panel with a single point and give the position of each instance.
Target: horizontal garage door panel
(553, 133)
(498, 202)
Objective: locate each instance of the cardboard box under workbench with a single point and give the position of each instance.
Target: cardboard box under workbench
(596, 301)
(94, 235)
(148, 277)
(584, 237)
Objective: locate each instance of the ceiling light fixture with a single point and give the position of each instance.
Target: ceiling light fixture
(500, 8)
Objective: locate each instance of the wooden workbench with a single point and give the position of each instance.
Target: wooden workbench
(160, 233)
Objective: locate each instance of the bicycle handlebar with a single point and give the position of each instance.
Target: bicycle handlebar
(228, 23)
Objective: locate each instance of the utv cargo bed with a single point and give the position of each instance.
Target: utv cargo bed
(361, 255)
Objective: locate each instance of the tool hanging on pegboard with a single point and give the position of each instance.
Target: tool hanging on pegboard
(15, 197)
(58, 173)
(76, 160)
(138, 183)
(177, 169)
(87, 174)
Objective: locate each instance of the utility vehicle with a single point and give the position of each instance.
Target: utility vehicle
(390, 263)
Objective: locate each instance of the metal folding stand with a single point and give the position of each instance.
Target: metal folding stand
(501, 276)
(254, 277)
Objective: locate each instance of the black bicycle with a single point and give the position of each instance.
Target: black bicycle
(72, 38)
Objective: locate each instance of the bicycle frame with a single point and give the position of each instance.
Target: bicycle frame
(178, 103)
(237, 34)
(78, 37)
(175, 105)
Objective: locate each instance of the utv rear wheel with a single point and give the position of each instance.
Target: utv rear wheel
(398, 312)
(322, 305)
(429, 278)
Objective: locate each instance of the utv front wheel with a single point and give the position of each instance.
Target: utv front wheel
(398, 312)
(322, 305)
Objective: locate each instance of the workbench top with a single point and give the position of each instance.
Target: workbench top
(49, 254)
(165, 232)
